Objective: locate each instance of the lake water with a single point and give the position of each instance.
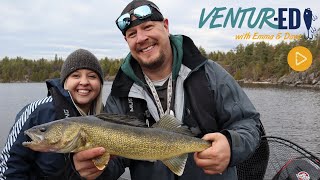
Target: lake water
(290, 113)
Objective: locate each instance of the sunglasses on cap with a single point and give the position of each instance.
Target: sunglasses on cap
(141, 12)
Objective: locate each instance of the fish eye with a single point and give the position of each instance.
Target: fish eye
(43, 129)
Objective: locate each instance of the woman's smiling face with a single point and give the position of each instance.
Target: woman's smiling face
(84, 86)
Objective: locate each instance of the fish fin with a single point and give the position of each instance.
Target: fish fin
(80, 140)
(102, 161)
(170, 123)
(83, 137)
(121, 119)
(176, 164)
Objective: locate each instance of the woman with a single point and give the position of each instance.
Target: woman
(78, 92)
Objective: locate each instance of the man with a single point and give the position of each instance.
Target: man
(162, 74)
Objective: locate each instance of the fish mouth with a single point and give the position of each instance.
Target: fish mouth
(35, 138)
(36, 143)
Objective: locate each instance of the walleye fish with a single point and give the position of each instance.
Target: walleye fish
(120, 135)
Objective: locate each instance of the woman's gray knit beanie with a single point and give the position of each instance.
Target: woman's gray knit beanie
(80, 59)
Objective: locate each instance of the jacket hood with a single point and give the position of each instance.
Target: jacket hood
(56, 83)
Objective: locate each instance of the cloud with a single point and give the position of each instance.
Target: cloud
(42, 28)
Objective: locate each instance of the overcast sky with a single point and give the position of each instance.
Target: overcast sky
(42, 28)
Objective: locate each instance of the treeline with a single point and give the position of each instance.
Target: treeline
(258, 61)
(25, 70)
(262, 61)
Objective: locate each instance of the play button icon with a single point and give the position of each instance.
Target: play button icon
(299, 58)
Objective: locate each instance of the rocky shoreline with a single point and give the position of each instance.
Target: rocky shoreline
(294, 79)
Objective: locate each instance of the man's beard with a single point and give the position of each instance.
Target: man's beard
(155, 64)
